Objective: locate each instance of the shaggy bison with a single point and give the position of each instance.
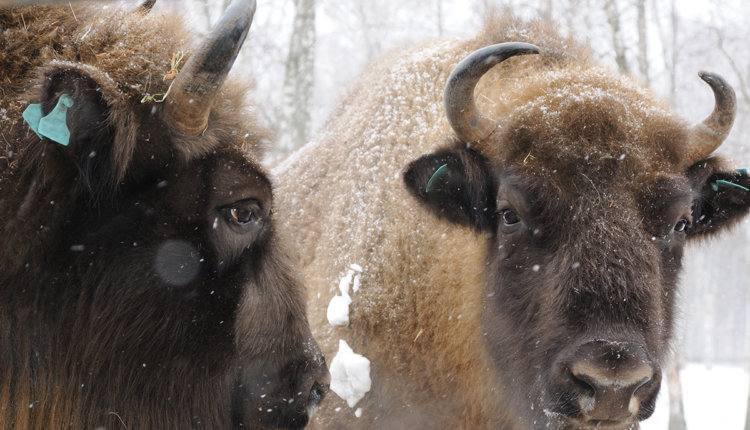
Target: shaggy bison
(521, 271)
(142, 283)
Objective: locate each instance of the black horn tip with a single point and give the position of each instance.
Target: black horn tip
(708, 135)
(489, 56)
(249, 4)
(147, 5)
(204, 73)
(715, 80)
(726, 100)
(458, 97)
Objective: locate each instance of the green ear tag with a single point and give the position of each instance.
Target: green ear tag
(54, 125)
(441, 171)
(32, 114)
(743, 171)
(720, 183)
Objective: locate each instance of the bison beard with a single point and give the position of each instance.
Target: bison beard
(142, 282)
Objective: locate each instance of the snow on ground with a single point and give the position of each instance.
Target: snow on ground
(714, 397)
(350, 375)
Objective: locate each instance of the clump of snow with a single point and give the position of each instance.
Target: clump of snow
(350, 374)
(358, 412)
(338, 308)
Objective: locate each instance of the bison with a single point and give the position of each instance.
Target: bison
(520, 232)
(142, 281)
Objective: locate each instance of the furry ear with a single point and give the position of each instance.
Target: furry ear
(455, 184)
(723, 197)
(86, 120)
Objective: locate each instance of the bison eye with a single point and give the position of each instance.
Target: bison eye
(681, 225)
(242, 212)
(509, 217)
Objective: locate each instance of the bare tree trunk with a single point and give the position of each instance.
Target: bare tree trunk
(668, 44)
(613, 17)
(642, 42)
(747, 413)
(673, 70)
(545, 9)
(676, 409)
(440, 17)
(207, 14)
(299, 79)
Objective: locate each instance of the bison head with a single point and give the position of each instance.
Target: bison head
(142, 280)
(587, 189)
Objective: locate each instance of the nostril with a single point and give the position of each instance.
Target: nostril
(317, 394)
(583, 382)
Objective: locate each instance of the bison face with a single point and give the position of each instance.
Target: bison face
(580, 285)
(141, 265)
(585, 216)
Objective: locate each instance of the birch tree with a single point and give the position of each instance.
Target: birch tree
(613, 18)
(642, 41)
(299, 79)
(676, 408)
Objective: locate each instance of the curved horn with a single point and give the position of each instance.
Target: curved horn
(194, 89)
(147, 5)
(467, 121)
(705, 137)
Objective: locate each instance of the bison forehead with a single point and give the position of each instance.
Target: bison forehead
(562, 209)
(586, 120)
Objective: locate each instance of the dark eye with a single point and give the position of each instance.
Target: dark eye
(243, 212)
(509, 217)
(681, 225)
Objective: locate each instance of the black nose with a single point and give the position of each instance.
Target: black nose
(317, 394)
(317, 380)
(613, 382)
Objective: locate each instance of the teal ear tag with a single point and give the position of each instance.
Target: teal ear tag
(441, 171)
(32, 114)
(53, 126)
(720, 183)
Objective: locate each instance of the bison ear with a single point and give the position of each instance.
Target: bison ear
(74, 99)
(75, 113)
(455, 184)
(723, 197)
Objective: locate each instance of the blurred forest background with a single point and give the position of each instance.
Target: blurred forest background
(303, 54)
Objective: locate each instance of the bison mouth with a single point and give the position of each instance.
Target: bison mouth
(560, 421)
(260, 411)
(600, 384)
(277, 399)
(570, 414)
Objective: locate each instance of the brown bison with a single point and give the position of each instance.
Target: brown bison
(142, 283)
(521, 271)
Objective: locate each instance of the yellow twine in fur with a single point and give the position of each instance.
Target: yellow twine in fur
(159, 98)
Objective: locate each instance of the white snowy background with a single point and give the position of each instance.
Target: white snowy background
(679, 38)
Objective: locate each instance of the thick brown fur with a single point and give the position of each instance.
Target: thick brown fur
(101, 327)
(593, 153)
